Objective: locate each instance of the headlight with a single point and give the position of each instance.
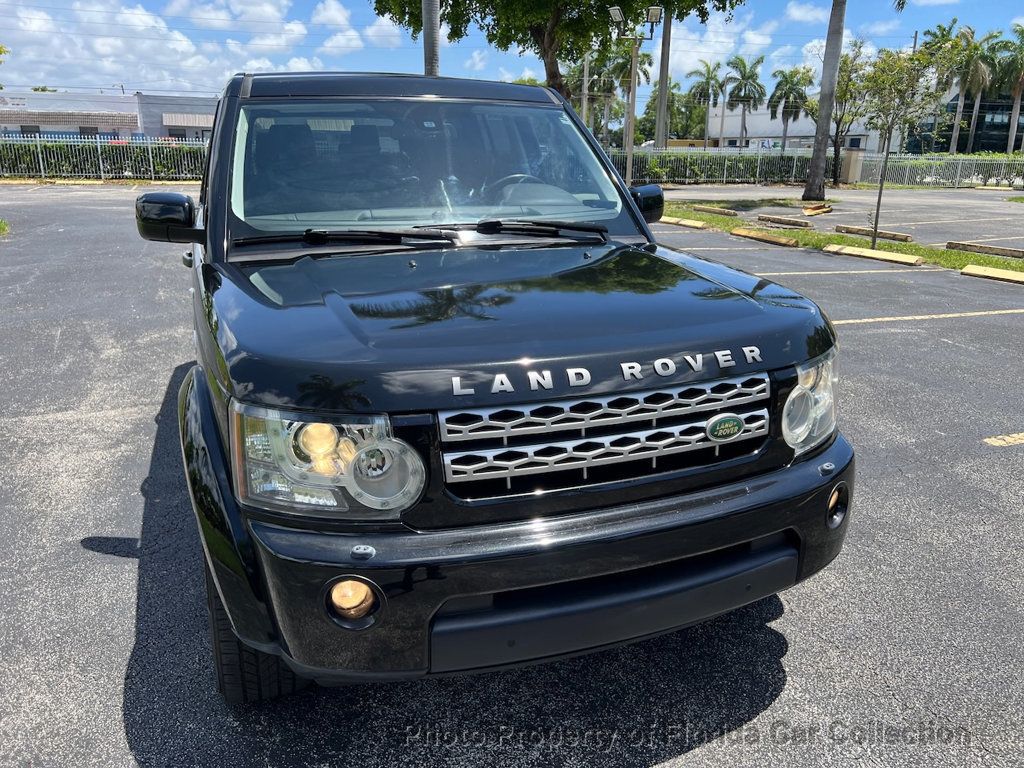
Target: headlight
(809, 416)
(351, 467)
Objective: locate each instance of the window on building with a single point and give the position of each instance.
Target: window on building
(88, 131)
(854, 142)
(177, 133)
(29, 130)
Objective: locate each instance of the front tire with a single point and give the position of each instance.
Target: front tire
(244, 675)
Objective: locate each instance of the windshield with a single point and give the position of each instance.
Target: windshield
(402, 163)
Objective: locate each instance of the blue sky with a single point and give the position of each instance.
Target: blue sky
(193, 45)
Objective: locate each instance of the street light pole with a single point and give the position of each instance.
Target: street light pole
(661, 123)
(654, 14)
(431, 30)
(630, 127)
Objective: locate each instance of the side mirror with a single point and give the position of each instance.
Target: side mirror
(168, 217)
(650, 200)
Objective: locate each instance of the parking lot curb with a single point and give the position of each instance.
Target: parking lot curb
(866, 231)
(868, 253)
(691, 223)
(991, 250)
(764, 237)
(714, 209)
(1004, 275)
(784, 220)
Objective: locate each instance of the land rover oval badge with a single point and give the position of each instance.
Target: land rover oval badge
(724, 427)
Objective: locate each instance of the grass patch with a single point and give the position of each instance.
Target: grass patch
(809, 238)
(4, 229)
(1018, 199)
(749, 204)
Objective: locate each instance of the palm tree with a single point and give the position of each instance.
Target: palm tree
(706, 89)
(982, 75)
(815, 188)
(973, 71)
(620, 63)
(790, 96)
(939, 42)
(1012, 77)
(747, 92)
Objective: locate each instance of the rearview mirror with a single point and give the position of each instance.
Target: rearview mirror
(650, 200)
(168, 217)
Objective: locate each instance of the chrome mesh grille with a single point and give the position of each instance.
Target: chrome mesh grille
(580, 436)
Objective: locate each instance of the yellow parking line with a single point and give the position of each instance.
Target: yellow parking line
(944, 316)
(1001, 441)
(848, 272)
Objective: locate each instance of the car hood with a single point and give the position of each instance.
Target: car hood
(423, 330)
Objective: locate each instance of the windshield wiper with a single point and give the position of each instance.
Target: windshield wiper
(545, 227)
(359, 236)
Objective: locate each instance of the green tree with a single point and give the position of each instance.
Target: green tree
(682, 111)
(619, 64)
(554, 30)
(706, 89)
(849, 101)
(1011, 76)
(747, 91)
(899, 88)
(972, 66)
(43, 89)
(790, 96)
(3, 51)
(939, 42)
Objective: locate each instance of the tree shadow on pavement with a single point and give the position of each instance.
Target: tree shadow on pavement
(631, 706)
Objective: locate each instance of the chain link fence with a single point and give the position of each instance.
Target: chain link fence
(70, 157)
(945, 170)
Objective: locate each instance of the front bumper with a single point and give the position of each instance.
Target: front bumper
(482, 597)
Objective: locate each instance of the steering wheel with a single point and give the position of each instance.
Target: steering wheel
(513, 178)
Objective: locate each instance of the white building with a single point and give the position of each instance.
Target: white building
(763, 131)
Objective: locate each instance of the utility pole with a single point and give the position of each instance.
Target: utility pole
(661, 120)
(586, 88)
(431, 32)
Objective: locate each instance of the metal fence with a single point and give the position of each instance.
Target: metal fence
(101, 158)
(944, 170)
(717, 166)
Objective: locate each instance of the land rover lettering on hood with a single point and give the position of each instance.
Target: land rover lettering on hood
(455, 409)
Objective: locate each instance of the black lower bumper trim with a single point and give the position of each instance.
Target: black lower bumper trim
(531, 632)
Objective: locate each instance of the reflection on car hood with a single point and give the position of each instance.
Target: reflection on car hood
(435, 329)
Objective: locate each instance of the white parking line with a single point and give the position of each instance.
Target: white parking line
(851, 272)
(945, 316)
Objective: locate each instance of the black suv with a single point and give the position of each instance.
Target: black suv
(454, 409)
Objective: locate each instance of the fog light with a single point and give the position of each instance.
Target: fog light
(838, 505)
(352, 599)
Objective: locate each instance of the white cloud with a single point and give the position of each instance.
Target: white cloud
(259, 10)
(881, 27)
(341, 43)
(291, 33)
(302, 64)
(806, 12)
(934, 2)
(331, 12)
(1018, 20)
(476, 61)
(383, 33)
(714, 42)
(507, 76)
(210, 16)
(814, 51)
(756, 40)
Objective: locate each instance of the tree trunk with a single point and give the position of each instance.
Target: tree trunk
(1014, 119)
(743, 126)
(837, 148)
(815, 188)
(431, 37)
(881, 186)
(707, 122)
(954, 140)
(607, 119)
(546, 39)
(721, 124)
(974, 122)
(785, 133)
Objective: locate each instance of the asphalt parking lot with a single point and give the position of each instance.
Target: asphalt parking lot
(907, 651)
(931, 217)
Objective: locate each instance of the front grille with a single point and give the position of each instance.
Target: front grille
(564, 444)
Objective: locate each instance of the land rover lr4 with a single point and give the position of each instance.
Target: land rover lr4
(454, 409)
